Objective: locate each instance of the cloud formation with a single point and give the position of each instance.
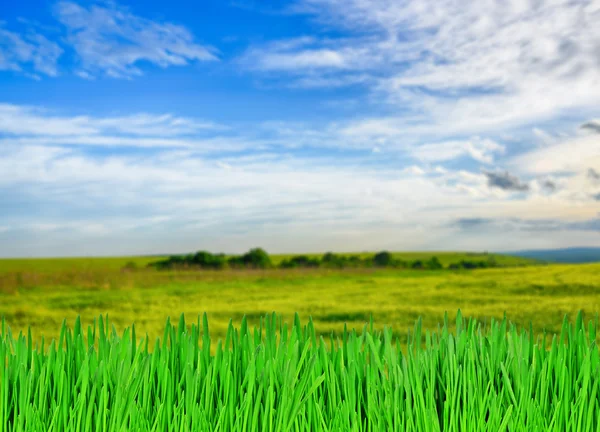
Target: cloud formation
(519, 224)
(106, 40)
(113, 41)
(505, 181)
(592, 125)
(70, 178)
(23, 125)
(481, 150)
(466, 67)
(30, 53)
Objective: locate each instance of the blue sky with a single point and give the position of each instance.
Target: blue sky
(138, 127)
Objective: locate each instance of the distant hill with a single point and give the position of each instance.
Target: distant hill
(567, 255)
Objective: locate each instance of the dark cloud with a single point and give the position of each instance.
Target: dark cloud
(549, 185)
(592, 125)
(592, 174)
(469, 223)
(505, 181)
(596, 196)
(535, 225)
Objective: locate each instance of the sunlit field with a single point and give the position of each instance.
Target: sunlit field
(85, 346)
(65, 289)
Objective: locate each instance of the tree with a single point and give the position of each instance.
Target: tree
(383, 259)
(208, 260)
(417, 265)
(434, 264)
(256, 258)
(332, 260)
(300, 261)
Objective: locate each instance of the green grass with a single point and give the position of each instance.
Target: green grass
(285, 378)
(463, 378)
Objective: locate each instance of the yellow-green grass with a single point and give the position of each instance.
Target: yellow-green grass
(59, 265)
(540, 294)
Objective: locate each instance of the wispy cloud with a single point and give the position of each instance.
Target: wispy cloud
(466, 67)
(481, 150)
(519, 224)
(571, 155)
(30, 53)
(112, 40)
(104, 39)
(33, 126)
(247, 190)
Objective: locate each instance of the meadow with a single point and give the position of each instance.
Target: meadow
(40, 294)
(84, 347)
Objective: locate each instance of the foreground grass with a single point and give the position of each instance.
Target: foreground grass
(280, 378)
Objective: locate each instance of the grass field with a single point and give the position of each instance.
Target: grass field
(276, 377)
(42, 293)
(66, 265)
(461, 377)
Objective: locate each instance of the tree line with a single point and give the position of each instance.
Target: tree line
(258, 258)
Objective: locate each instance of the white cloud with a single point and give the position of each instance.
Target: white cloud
(27, 53)
(34, 126)
(195, 186)
(466, 68)
(567, 157)
(320, 58)
(414, 170)
(481, 150)
(113, 41)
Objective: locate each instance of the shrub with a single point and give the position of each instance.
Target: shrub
(207, 260)
(256, 258)
(383, 259)
(434, 264)
(417, 265)
(332, 260)
(300, 261)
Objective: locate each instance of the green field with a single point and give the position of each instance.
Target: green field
(390, 375)
(62, 265)
(42, 293)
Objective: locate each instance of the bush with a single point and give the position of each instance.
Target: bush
(434, 264)
(300, 261)
(332, 260)
(256, 258)
(383, 259)
(417, 265)
(471, 265)
(206, 260)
